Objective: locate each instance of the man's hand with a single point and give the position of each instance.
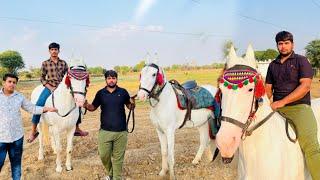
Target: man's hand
(50, 109)
(277, 104)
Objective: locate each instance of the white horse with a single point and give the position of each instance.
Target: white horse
(167, 117)
(267, 153)
(67, 98)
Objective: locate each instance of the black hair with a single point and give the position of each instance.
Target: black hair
(284, 36)
(111, 73)
(54, 45)
(10, 75)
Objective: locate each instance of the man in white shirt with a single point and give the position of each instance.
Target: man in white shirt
(11, 129)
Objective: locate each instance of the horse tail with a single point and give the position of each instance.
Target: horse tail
(45, 132)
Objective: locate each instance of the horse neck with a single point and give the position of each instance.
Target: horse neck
(63, 97)
(166, 95)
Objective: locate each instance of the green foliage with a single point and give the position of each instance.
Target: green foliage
(11, 60)
(123, 69)
(139, 66)
(313, 53)
(96, 71)
(226, 48)
(266, 55)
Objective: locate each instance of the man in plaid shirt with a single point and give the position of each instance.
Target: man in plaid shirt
(53, 71)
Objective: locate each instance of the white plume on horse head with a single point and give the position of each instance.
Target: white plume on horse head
(248, 60)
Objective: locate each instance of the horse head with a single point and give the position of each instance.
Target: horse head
(151, 77)
(77, 80)
(241, 86)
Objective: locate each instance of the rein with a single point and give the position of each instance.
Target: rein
(79, 74)
(133, 116)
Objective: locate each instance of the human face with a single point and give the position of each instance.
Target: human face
(54, 52)
(111, 81)
(10, 84)
(285, 48)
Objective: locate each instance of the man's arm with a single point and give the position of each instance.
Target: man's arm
(268, 89)
(31, 108)
(298, 93)
(89, 107)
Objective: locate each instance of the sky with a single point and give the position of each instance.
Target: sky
(123, 32)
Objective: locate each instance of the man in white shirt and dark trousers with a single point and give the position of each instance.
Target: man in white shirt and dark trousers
(11, 129)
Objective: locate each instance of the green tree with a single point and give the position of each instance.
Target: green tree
(226, 48)
(270, 54)
(96, 71)
(11, 60)
(313, 53)
(139, 66)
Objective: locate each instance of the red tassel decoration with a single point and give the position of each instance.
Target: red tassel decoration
(259, 89)
(67, 81)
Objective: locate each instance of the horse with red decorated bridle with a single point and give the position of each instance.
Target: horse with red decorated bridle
(266, 142)
(67, 98)
(167, 117)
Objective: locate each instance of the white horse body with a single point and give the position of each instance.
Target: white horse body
(167, 118)
(64, 101)
(268, 153)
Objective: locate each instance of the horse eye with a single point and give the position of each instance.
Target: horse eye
(251, 89)
(154, 74)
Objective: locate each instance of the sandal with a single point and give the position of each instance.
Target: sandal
(81, 133)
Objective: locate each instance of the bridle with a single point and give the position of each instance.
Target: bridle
(78, 73)
(256, 101)
(241, 75)
(157, 87)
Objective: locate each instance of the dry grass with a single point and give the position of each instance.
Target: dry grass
(143, 158)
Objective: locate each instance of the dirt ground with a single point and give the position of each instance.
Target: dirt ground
(142, 159)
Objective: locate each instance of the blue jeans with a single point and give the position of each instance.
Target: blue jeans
(41, 102)
(15, 153)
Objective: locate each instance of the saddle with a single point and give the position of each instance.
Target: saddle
(191, 96)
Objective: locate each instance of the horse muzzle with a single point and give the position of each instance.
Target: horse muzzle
(226, 160)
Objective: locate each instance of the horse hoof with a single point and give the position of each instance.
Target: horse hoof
(40, 158)
(162, 173)
(69, 168)
(195, 162)
(59, 169)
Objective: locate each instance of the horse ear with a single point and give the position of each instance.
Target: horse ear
(155, 59)
(232, 57)
(250, 58)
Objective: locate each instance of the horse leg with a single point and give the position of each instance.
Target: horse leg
(164, 152)
(41, 151)
(204, 141)
(170, 139)
(70, 134)
(58, 149)
(53, 143)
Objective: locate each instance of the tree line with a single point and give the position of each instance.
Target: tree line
(12, 61)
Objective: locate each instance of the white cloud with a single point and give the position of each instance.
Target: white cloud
(123, 30)
(142, 9)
